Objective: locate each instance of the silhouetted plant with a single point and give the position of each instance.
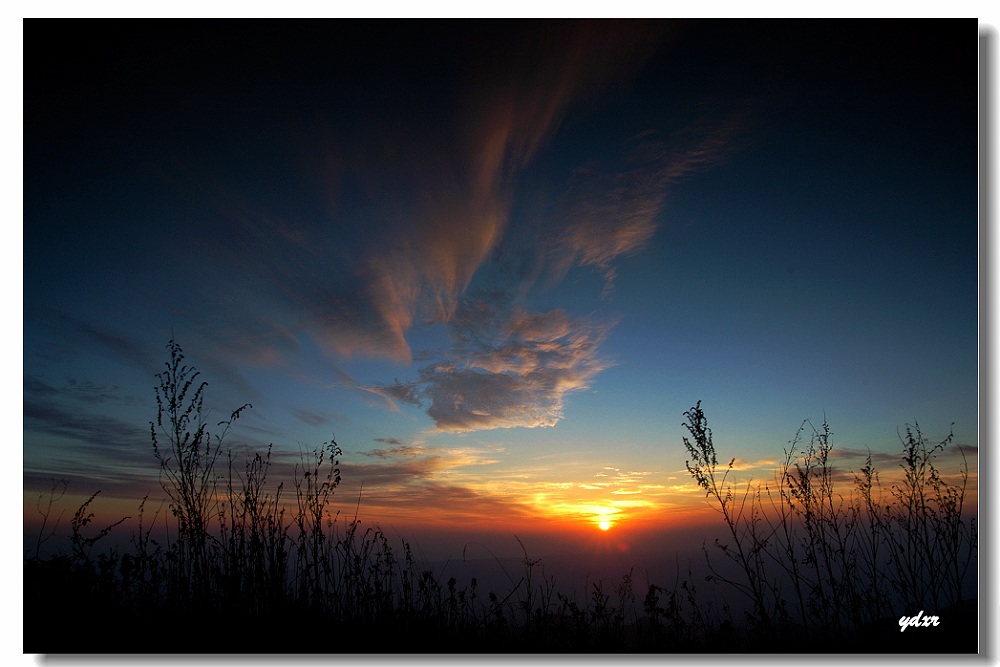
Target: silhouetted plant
(843, 563)
(83, 546)
(45, 531)
(810, 560)
(254, 535)
(314, 485)
(739, 511)
(187, 467)
(932, 547)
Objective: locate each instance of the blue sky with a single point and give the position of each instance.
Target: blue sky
(499, 261)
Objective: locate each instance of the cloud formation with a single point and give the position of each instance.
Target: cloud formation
(412, 465)
(612, 210)
(417, 212)
(432, 201)
(505, 369)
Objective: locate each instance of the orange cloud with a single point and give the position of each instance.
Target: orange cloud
(457, 184)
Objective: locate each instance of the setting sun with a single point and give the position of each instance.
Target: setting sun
(499, 284)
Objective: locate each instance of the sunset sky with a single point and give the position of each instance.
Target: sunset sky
(498, 261)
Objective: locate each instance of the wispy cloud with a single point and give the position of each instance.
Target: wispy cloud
(433, 501)
(609, 215)
(739, 464)
(310, 418)
(84, 391)
(76, 333)
(405, 472)
(106, 453)
(612, 209)
(406, 217)
(90, 430)
(399, 450)
(414, 210)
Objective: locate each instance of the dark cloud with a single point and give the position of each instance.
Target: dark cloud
(408, 392)
(105, 453)
(399, 450)
(880, 459)
(514, 371)
(90, 392)
(403, 464)
(38, 388)
(310, 418)
(508, 367)
(445, 502)
(246, 339)
(70, 335)
(883, 460)
(114, 345)
(97, 431)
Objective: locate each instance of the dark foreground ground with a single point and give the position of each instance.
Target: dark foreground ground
(62, 618)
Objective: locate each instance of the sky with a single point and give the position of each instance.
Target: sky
(498, 261)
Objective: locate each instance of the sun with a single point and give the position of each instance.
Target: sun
(604, 524)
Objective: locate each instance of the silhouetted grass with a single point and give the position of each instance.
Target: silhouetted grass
(250, 567)
(829, 566)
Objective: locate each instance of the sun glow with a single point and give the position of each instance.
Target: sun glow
(604, 517)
